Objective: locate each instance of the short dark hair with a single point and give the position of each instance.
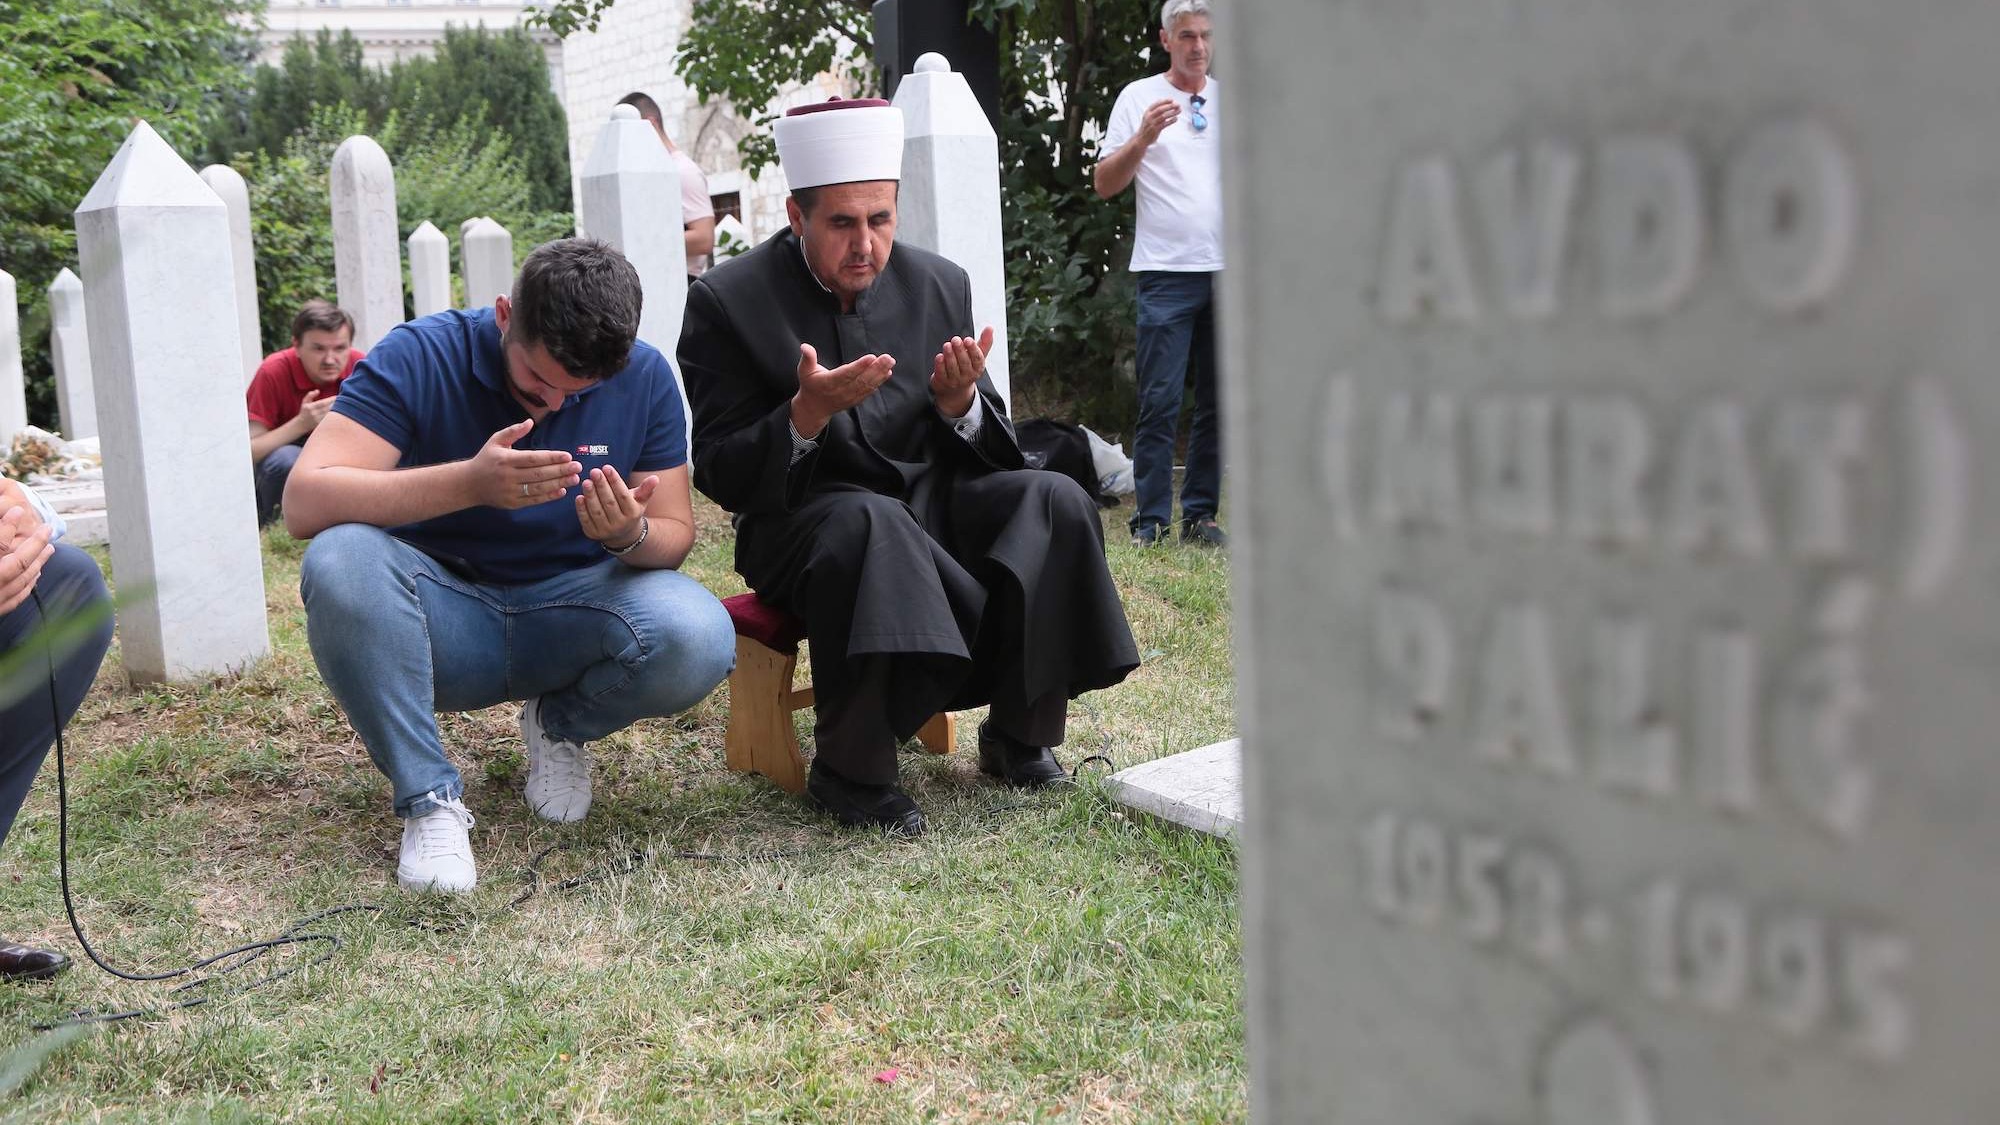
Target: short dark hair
(808, 197)
(320, 316)
(580, 299)
(647, 107)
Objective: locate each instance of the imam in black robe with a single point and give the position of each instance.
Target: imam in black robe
(933, 573)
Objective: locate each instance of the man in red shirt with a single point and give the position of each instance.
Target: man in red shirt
(292, 390)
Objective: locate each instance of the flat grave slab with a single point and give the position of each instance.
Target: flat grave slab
(1200, 789)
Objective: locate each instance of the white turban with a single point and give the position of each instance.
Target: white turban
(841, 141)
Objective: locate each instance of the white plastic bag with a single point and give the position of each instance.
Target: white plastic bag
(1114, 469)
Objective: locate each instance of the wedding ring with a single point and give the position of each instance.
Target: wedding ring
(524, 489)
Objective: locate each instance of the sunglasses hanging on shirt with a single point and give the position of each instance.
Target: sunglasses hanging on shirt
(1196, 118)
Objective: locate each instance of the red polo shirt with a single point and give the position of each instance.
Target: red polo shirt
(281, 384)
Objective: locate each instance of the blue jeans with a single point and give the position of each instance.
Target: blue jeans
(272, 473)
(70, 584)
(1176, 346)
(398, 637)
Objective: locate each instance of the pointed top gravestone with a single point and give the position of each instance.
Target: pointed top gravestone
(69, 351)
(731, 237)
(13, 384)
(486, 254)
(430, 270)
(949, 202)
(154, 245)
(367, 257)
(629, 185)
(228, 186)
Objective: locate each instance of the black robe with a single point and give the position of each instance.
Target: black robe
(932, 573)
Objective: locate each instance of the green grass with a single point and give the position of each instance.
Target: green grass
(1035, 958)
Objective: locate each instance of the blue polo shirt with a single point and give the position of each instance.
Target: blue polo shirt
(436, 389)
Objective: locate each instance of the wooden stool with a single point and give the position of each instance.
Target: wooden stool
(761, 738)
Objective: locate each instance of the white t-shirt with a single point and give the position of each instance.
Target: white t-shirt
(1179, 179)
(695, 204)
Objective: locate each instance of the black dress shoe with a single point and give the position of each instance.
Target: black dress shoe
(1204, 532)
(19, 962)
(1017, 763)
(853, 803)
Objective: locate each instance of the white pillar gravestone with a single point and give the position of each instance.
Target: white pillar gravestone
(228, 186)
(1611, 397)
(630, 186)
(949, 202)
(154, 245)
(731, 238)
(13, 383)
(69, 350)
(430, 270)
(486, 255)
(367, 260)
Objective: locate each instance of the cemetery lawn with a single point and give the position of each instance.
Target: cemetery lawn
(1038, 957)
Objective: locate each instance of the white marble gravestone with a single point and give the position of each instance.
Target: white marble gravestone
(1612, 408)
(949, 201)
(367, 260)
(154, 245)
(731, 238)
(228, 186)
(69, 351)
(629, 188)
(486, 254)
(13, 383)
(430, 270)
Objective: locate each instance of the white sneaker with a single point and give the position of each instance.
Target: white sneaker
(437, 853)
(558, 772)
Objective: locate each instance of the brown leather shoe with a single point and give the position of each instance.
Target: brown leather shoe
(1017, 763)
(19, 962)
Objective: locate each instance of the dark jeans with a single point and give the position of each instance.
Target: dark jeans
(272, 473)
(1176, 346)
(70, 583)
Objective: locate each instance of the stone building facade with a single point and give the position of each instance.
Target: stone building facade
(393, 30)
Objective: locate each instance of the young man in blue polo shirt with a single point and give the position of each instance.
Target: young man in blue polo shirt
(476, 540)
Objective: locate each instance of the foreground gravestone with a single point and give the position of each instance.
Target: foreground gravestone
(1611, 406)
(228, 186)
(949, 200)
(154, 245)
(69, 354)
(13, 384)
(367, 257)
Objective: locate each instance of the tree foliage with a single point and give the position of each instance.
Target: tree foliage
(746, 51)
(494, 83)
(74, 74)
(1073, 327)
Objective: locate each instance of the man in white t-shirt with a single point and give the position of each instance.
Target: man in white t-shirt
(697, 213)
(1163, 134)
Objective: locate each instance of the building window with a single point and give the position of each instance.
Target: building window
(729, 204)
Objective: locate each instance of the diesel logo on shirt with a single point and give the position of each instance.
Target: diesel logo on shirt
(593, 451)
